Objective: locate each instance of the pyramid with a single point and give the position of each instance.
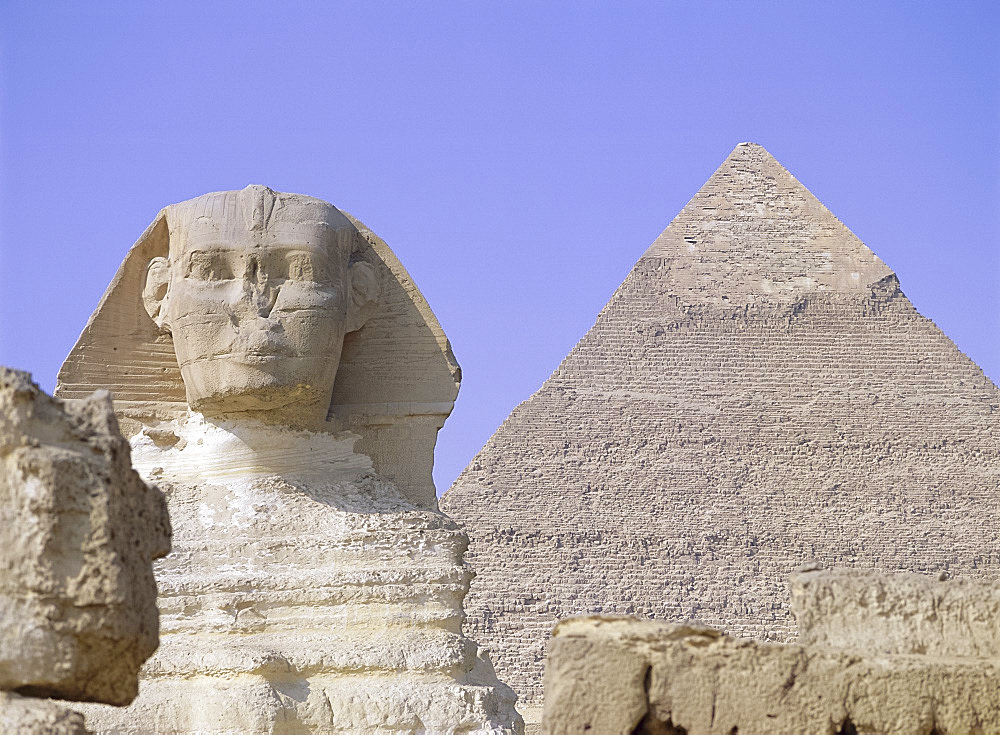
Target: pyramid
(757, 394)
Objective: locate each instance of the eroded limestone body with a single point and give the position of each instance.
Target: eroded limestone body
(314, 585)
(303, 594)
(78, 532)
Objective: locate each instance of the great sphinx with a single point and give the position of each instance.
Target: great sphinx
(282, 379)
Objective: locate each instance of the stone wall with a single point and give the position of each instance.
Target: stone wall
(621, 675)
(897, 614)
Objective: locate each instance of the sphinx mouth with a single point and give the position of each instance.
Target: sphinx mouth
(256, 348)
(258, 355)
(253, 357)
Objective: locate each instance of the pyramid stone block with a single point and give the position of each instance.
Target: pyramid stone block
(757, 393)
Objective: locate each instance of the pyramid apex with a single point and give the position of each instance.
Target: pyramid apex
(750, 151)
(753, 231)
(748, 146)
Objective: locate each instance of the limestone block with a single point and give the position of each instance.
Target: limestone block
(34, 716)
(622, 675)
(897, 613)
(78, 532)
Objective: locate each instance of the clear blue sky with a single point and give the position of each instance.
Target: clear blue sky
(518, 156)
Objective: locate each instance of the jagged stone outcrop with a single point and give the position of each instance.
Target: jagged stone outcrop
(79, 530)
(757, 393)
(623, 675)
(283, 380)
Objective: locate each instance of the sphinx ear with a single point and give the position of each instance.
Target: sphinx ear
(364, 295)
(155, 290)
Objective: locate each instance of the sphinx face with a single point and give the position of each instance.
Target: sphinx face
(258, 312)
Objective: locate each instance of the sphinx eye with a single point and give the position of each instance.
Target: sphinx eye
(303, 267)
(209, 267)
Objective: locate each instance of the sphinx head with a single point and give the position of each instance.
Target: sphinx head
(257, 291)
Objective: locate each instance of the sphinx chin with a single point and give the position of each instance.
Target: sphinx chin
(232, 387)
(261, 399)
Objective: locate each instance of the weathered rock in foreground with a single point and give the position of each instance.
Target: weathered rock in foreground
(283, 380)
(622, 675)
(898, 613)
(877, 658)
(34, 716)
(78, 532)
(757, 393)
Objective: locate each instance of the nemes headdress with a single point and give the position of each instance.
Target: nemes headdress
(397, 381)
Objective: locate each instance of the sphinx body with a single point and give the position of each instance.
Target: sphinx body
(304, 594)
(314, 586)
